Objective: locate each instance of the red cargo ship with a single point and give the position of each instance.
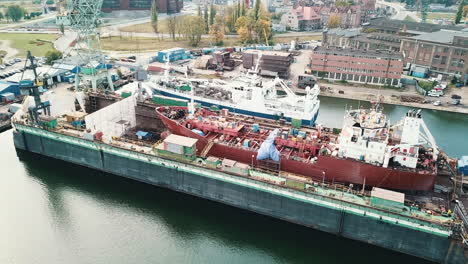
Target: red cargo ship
(367, 151)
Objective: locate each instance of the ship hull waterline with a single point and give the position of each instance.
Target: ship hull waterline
(359, 227)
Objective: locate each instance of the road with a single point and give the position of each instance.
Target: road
(11, 26)
(400, 12)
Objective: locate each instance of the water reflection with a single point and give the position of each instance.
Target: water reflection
(190, 220)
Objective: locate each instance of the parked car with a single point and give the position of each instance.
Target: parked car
(435, 93)
(18, 60)
(2, 67)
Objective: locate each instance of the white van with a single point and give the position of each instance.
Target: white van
(435, 93)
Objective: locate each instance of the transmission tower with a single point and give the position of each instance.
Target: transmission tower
(84, 20)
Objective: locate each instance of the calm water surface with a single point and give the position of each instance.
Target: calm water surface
(55, 212)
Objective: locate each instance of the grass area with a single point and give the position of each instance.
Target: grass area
(146, 28)
(25, 42)
(431, 16)
(145, 44)
(410, 19)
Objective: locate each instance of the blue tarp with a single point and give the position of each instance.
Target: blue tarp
(143, 134)
(268, 148)
(198, 132)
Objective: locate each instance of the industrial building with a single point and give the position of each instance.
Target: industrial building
(372, 67)
(441, 53)
(272, 63)
(164, 6)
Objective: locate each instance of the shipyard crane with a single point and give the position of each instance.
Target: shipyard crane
(32, 88)
(84, 17)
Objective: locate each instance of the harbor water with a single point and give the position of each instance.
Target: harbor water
(56, 212)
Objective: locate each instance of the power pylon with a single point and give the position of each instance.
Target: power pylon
(84, 16)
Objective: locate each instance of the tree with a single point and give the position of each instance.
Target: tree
(212, 14)
(172, 25)
(52, 56)
(217, 34)
(199, 11)
(1, 16)
(244, 27)
(465, 10)
(256, 10)
(205, 16)
(194, 27)
(62, 28)
(243, 9)
(459, 14)
(263, 30)
(334, 21)
(15, 13)
(50, 2)
(154, 16)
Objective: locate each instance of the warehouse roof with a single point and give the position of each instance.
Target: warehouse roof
(443, 36)
(355, 53)
(180, 140)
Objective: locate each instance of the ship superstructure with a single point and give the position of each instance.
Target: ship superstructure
(246, 94)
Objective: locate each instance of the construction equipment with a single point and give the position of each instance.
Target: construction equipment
(31, 87)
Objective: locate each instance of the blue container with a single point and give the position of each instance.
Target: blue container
(26, 83)
(419, 74)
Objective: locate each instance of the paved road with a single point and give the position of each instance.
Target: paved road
(42, 18)
(400, 12)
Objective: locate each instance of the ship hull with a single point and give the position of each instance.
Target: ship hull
(326, 168)
(332, 219)
(305, 122)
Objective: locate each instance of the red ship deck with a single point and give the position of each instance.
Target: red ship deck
(310, 158)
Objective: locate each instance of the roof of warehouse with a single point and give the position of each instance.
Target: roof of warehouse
(4, 85)
(443, 36)
(180, 140)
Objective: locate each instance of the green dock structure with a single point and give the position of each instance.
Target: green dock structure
(380, 219)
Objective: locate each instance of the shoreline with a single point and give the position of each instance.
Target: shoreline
(384, 100)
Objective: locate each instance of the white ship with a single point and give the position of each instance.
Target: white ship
(247, 94)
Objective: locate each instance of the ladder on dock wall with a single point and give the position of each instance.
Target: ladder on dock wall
(207, 149)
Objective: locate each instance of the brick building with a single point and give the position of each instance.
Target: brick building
(164, 6)
(302, 18)
(372, 67)
(357, 39)
(443, 52)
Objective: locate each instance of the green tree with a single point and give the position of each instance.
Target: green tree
(1, 16)
(238, 10)
(62, 28)
(15, 13)
(194, 27)
(243, 9)
(172, 25)
(206, 18)
(459, 14)
(50, 2)
(199, 11)
(256, 9)
(154, 17)
(52, 56)
(212, 14)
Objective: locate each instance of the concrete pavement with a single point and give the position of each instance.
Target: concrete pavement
(400, 12)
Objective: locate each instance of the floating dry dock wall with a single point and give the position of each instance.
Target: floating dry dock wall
(382, 228)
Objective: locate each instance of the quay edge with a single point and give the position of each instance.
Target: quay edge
(431, 243)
